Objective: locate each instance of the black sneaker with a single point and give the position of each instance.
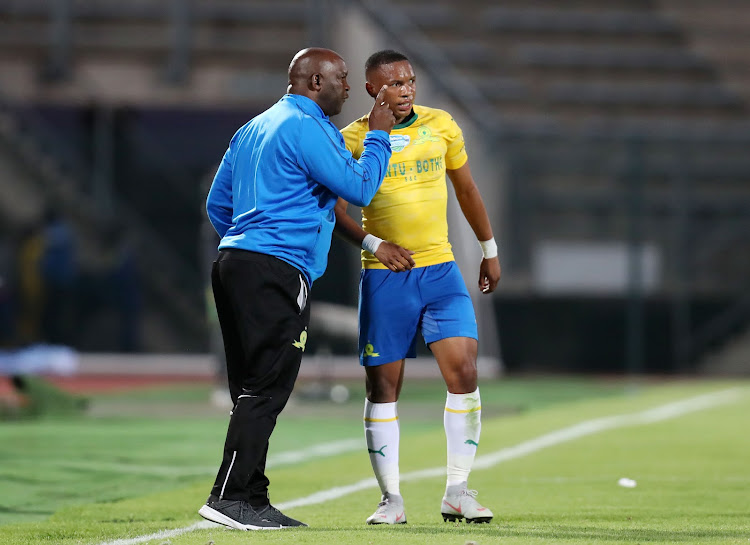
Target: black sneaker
(236, 514)
(271, 513)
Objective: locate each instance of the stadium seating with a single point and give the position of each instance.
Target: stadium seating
(581, 95)
(549, 20)
(589, 96)
(211, 46)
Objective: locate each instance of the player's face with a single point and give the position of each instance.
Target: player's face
(402, 86)
(334, 87)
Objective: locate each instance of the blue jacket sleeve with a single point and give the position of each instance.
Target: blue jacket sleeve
(219, 202)
(323, 153)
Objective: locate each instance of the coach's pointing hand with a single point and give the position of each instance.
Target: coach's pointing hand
(381, 116)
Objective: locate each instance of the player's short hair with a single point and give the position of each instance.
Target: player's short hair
(386, 56)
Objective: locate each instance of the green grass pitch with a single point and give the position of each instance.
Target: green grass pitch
(552, 451)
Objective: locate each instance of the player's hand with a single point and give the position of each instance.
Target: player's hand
(489, 274)
(393, 256)
(381, 116)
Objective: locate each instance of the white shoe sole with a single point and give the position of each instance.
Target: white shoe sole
(381, 521)
(450, 517)
(209, 513)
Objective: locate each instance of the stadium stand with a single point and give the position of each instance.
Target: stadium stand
(71, 69)
(607, 111)
(601, 113)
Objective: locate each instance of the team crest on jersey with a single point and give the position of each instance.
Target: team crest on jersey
(399, 142)
(425, 135)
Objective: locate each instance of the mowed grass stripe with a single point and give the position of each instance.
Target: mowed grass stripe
(586, 428)
(280, 459)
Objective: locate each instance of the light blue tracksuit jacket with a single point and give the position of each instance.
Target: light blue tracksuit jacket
(278, 182)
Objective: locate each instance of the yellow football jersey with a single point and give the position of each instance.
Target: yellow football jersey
(410, 209)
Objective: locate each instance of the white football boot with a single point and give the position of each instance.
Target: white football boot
(460, 503)
(390, 511)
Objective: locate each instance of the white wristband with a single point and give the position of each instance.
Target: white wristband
(371, 243)
(489, 248)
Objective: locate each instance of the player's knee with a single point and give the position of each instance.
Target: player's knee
(463, 377)
(382, 390)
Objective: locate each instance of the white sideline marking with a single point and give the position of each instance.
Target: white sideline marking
(316, 451)
(588, 427)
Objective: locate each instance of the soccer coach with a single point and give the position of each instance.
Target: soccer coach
(272, 202)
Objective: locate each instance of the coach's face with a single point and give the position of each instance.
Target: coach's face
(334, 89)
(402, 86)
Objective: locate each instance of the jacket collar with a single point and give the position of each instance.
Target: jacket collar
(307, 105)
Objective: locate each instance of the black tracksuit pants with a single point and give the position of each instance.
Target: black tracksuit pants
(262, 306)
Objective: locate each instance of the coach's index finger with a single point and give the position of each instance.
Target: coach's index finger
(379, 98)
(381, 116)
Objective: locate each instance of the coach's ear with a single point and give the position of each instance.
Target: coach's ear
(370, 88)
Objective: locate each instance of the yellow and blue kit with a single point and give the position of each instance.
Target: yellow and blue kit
(410, 209)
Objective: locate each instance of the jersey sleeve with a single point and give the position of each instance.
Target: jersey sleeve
(354, 138)
(455, 155)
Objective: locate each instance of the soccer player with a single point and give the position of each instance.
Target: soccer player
(410, 282)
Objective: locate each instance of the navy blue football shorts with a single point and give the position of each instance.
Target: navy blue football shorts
(394, 307)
